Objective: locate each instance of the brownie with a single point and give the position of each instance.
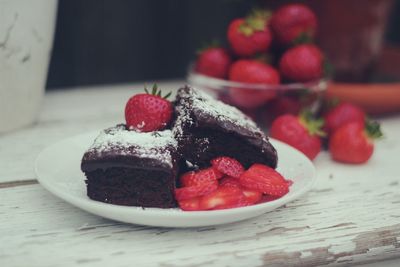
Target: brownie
(130, 168)
(206, 128)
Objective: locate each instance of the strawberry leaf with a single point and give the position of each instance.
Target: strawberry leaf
(246, 30)
(154, 90)
(313, 125)
(255, 21)
(373, 129)
(167, 95)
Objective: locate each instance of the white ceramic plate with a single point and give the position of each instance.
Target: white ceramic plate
(58, 170)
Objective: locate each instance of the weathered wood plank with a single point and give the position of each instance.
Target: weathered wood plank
(331, 226)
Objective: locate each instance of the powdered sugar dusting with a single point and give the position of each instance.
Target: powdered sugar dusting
(221, 110)
(183, 118)
(201, 101)
(146, 144)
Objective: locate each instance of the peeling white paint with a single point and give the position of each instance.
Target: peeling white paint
(382, 249)
(342, 247)
(305, 254)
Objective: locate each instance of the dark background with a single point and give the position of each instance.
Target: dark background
(100, 42)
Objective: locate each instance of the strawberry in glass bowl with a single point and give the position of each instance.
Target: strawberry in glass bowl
(271, 67)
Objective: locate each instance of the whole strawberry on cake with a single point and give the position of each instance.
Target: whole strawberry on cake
(196, 153)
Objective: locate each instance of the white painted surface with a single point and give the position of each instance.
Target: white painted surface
(352, 216)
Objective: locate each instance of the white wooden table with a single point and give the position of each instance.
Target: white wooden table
(351, 217)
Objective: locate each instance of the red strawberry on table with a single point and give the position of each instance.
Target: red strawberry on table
(264, 179)
(353, 142)
(255, 72)
(148, 112)
(302, 63)
(250, 35)
(341, 114)
(214, 62)
(301, 132)
(293, 21)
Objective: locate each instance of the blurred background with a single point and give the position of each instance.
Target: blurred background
(121, 42)
(103, 42)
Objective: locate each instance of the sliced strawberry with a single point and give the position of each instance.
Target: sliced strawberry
(194, 191)
(209, 174)
(205, 176)
(252, 196)
(225, 197)
(229, 181)
(187, 179)
(190, 204)
(228, 166)
(264, 179)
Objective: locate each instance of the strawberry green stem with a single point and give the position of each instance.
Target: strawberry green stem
(155, 91)
(313, 125)
(373, 129)
(255, 21)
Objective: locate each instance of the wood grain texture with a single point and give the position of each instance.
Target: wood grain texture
(331, 226)
(352, 216)
(17, 183)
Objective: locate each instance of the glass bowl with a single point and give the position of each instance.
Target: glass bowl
(260, 101)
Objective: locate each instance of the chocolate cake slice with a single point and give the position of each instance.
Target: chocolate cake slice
(130, 168)
(206, 128)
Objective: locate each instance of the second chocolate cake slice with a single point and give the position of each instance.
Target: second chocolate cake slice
(130, 168)
(206, 128)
